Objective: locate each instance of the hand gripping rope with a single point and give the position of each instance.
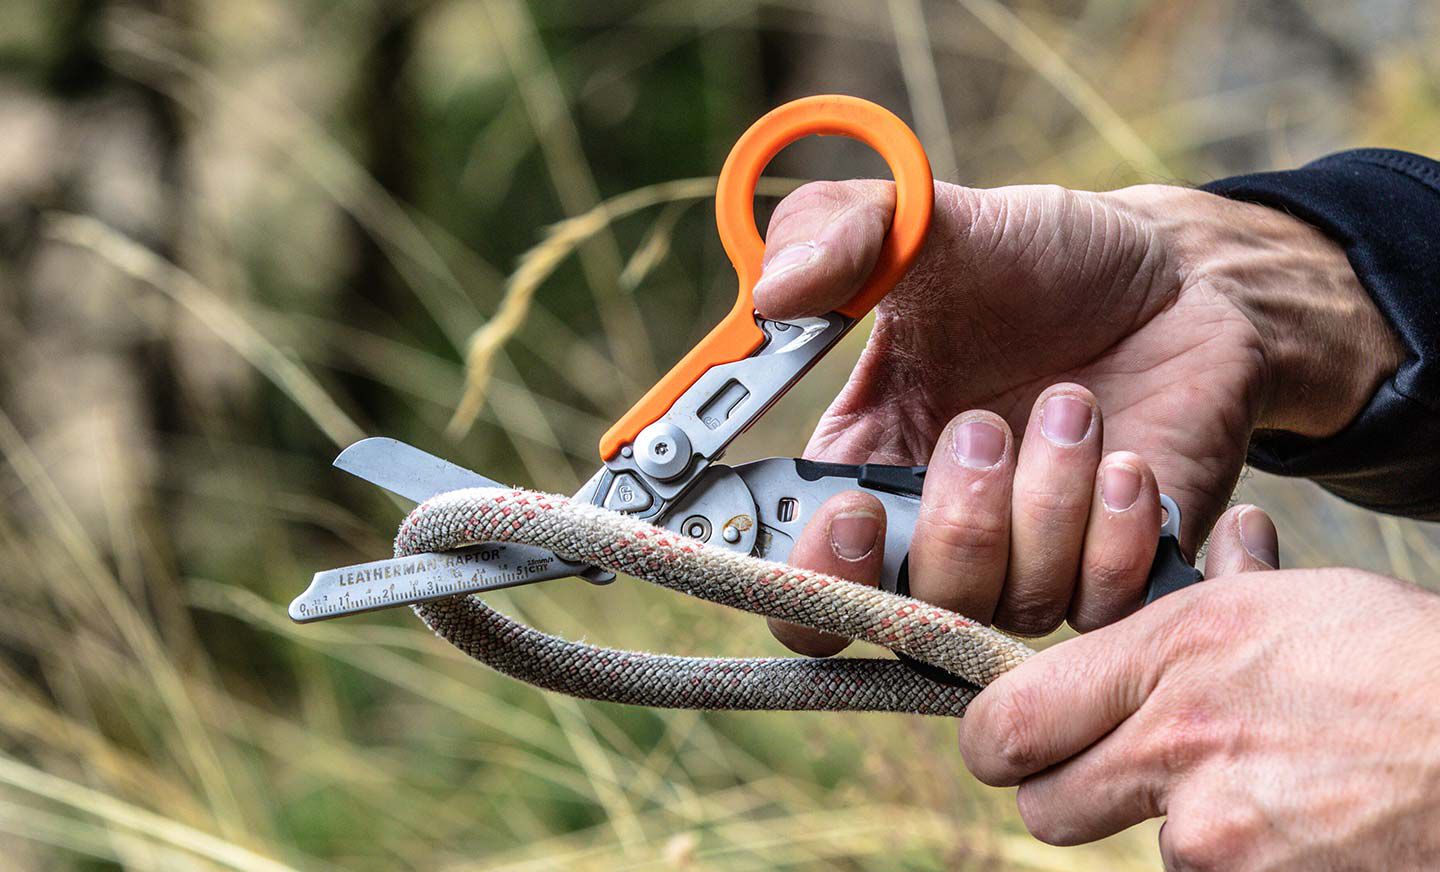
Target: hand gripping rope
(623, 544)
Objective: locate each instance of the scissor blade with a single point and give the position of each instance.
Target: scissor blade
(418, 578)
(417, 476)
(405, 470)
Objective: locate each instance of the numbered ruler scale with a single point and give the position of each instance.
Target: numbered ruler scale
(383, 584)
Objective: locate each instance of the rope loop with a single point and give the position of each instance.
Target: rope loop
(623, 544)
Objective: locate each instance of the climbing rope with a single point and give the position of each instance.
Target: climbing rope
(623, 544)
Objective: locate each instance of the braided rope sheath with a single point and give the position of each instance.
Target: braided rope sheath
(623, 544)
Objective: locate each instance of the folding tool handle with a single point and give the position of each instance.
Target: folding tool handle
(1169, 571)
(738, 335)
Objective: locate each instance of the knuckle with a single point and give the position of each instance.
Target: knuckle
(813, 194)
(965, 529)
(1191, 734)
(1212, 842)
(809, 201)
(1039, 816)
(1016, 752)
(993, 225)
(1191, 848)
(1116, 571)
(1238, 829)
(1047, 505)
(1216, 616)
(1176, 749)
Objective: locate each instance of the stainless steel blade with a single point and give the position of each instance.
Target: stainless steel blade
(406, 470)
(403, 581)
(417, 476)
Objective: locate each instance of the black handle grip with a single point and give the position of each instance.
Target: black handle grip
(1169, 571)
(875, 476)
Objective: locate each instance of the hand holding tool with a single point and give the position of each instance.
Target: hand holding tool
(661, 460)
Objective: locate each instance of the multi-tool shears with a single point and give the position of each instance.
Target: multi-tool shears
(661, 461)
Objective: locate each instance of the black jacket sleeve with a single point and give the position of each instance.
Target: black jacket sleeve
(1384, 208)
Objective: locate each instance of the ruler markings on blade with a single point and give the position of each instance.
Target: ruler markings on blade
(417, 578)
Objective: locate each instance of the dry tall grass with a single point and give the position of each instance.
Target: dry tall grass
(160, 710)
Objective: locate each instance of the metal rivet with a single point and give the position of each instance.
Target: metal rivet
(696, 527)
(731, 534)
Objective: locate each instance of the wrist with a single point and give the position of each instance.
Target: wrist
(1326, 347)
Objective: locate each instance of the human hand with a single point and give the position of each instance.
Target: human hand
(1278, 720)
(1181, 311)
(1022, 535)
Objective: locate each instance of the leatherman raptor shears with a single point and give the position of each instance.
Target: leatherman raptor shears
(661, 461)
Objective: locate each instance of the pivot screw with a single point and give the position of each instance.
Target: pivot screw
(662, 451)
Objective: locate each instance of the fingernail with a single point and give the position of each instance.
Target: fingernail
(1119, 486)
(1258, 535)
(790, 258)
(978, 444)
(1065, 420)
(853, 534)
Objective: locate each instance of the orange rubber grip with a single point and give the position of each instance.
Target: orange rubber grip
(737, 336)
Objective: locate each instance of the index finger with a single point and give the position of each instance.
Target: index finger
(1064, 699)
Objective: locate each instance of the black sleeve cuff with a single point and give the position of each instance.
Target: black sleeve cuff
(1383, 207)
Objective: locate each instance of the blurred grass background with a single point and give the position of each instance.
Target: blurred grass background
(236, 235)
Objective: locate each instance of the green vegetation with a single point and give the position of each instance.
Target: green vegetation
(236, 235)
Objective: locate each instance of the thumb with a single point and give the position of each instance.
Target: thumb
(1036, 242)
(1244, 540)
(822, 244)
